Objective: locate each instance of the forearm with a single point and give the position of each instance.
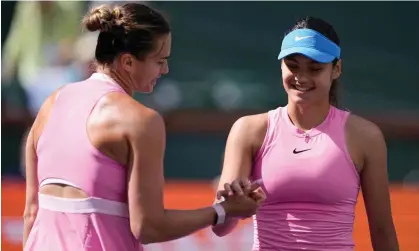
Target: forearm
(226, 228)
(27, 226)
(29, 217)
(180, 223)
(384, 240)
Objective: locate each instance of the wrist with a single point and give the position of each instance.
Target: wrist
(220, 214)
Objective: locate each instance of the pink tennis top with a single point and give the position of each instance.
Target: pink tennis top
(73, 157)
(66, 155)
(311, 185)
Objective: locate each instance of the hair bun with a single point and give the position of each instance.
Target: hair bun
(101, 18)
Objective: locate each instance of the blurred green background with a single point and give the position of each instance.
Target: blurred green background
(224, 60)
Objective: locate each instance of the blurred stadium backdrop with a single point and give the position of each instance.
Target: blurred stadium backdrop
(223, 66)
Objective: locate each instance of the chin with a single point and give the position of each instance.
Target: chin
(300, 100)
(306, 101)
(146, 89)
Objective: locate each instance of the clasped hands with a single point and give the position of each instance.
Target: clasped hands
(241, 197)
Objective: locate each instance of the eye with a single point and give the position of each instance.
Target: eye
(292, 66)
(162, 62)
(316, 69)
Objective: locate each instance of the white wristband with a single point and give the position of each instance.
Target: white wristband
(221, 213)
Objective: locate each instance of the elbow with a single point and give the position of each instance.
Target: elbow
(146, 231)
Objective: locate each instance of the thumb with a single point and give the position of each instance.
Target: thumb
(259, 195)
(255, 184)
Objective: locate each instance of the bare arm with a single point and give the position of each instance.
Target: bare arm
(31, 203)
(31, 168)
(375, 189)
(245, 138)
(150, 222)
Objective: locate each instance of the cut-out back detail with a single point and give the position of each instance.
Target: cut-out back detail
(49, 181)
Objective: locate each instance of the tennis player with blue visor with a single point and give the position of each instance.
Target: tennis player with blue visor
(311, 67)
(310, 157)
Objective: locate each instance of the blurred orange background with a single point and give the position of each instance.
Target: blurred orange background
(189, 195)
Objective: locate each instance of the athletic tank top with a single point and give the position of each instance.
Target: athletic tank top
(65, 153)
(311, 185)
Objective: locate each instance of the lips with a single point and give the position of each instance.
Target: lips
(303, 88)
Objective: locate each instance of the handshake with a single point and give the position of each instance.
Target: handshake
(241, 198)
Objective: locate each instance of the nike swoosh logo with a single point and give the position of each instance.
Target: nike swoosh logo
(295, 151)
(297, 38)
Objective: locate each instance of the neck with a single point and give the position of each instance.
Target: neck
(123, 82)
(306, 117)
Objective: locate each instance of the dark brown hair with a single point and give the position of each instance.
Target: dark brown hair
(326, 30)
(130, 28)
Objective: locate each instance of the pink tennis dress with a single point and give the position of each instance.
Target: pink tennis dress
(65, 155)
(311, 185)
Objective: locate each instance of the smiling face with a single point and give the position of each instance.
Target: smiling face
(307, 81)
(144, 73)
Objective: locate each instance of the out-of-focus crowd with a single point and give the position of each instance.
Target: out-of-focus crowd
(45, 48)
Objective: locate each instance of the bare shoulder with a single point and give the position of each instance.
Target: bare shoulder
(47, 105)
(363, 129)
(43, 115)
(120, 125)
(252, 124)
(136, 117)
(367, 136)
(251, 129)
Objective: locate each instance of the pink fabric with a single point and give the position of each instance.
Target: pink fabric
(65, 152)
(311, 195)
(57, 231)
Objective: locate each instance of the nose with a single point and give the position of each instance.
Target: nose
(300, 77)
(165, 69)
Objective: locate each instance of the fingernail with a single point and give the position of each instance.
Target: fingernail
(259, 181)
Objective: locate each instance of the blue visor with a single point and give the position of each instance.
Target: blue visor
(311, 44)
